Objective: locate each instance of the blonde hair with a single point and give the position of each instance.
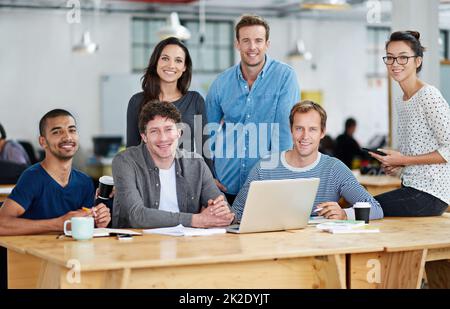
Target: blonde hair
(304, 107)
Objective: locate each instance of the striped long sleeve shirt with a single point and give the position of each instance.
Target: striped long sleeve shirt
(336, 181)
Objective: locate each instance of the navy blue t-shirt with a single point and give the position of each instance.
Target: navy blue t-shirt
(43, 198)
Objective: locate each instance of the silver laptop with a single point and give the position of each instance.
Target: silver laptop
(276, 205)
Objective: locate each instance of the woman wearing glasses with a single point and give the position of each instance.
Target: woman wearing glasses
(423, 136)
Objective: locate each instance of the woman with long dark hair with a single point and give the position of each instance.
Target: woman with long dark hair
(423, 136)
(167, 78)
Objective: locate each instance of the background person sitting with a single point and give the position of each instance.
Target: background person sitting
(11, 150)
(347, 148)
(327, 145)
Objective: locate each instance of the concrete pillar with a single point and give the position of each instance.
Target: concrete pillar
(421, 16)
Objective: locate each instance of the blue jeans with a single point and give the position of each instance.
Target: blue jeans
(410, 202)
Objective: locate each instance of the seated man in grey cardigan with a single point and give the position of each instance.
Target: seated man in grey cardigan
(159, 185)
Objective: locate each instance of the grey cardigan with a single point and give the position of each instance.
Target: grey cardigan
(136, 180)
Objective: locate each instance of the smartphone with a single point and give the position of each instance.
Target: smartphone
(124, 237)
(374, 151)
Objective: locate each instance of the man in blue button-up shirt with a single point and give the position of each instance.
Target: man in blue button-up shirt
(248, 107)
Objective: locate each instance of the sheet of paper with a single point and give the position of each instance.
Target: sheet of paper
(6, 190)
(321, 219)
(180, 230)
(340, 225)
(105, 232)
(347, 227)
(317, 220)
(355, 230)
(121, 231)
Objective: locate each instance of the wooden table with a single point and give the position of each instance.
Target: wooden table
(306, 258)
(4, 195)
(378, 184)
(296, 259)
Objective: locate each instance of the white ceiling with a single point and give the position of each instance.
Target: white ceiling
(266, 8)
(221, 7)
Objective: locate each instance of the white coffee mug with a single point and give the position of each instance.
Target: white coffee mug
(82, 228)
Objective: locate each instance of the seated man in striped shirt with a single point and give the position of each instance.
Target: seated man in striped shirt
(308, 121)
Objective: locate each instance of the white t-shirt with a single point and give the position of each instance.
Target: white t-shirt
(168, 197)
(424, 127)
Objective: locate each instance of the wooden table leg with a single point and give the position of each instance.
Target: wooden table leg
(387, 270)
(23, 270)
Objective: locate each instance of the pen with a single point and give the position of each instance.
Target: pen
(317, 209)
(89, 211)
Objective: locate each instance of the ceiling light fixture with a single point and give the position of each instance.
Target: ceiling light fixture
(174, 28)
(86, 46)
(299, 52)
(325, 4)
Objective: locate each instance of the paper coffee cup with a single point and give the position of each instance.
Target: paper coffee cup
(106, 184)
(362, 211)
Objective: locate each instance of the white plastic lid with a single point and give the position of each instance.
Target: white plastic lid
(362, 205)
(107, 180)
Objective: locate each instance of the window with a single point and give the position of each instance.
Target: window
(443, 44)
(144, 39)
(376, 40)
(213, 56)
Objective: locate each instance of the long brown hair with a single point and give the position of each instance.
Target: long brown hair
(150, 79)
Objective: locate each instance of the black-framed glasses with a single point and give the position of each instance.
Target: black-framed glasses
(402, 60)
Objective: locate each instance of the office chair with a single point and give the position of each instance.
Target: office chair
(29, 149)
(11, 171)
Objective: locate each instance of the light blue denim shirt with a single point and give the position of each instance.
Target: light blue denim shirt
(247, 124)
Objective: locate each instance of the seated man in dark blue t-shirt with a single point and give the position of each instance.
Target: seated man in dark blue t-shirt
(51, 192)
